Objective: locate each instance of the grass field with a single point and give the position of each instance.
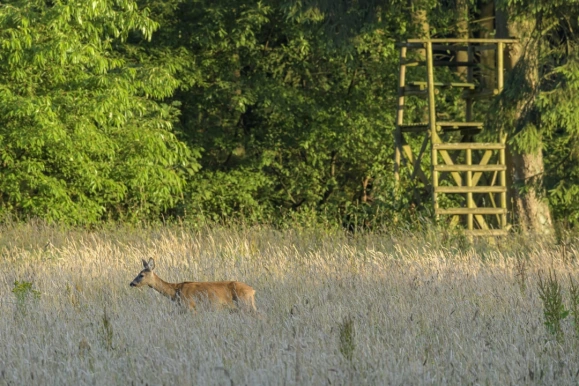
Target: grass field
(401, 309)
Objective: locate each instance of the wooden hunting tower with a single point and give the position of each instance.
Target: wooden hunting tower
(458, 165)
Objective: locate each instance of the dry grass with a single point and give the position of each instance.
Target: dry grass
(374, 309)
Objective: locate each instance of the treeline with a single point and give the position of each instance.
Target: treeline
(134, 110)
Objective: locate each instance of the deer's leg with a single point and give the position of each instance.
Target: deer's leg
(248, 301)
(243, 296)
(252, 302)
(234, 294)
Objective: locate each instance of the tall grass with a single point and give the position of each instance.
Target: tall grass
(380, 308)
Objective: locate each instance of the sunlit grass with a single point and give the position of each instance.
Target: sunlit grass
(382, 308)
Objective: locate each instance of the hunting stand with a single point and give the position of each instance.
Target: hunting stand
(458, 165)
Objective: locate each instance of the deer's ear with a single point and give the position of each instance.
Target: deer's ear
(145, 264)
(151, 264)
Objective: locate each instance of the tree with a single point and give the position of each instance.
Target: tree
(288, 100)
(82, 135)
(540, 72)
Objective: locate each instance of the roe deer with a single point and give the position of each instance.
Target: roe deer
(220, 293)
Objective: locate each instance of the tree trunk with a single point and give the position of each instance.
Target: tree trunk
(530, 207)
(420, 20)
(462, 33)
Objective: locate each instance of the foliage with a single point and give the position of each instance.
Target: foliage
(23, 292)
(81, 135)
(347, 338)
(554, 310)
(143, 109)
(549, 122)
(561, 124)
(574, 309)
(290, 116)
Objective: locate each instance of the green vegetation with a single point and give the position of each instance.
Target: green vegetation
(140, 110)
(574, 308)
(554, 310)
(84, 135)
(24, 295)
(106, 331)
(521, 269)
(347, 338)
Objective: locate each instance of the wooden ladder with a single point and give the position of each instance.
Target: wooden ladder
(465, 180)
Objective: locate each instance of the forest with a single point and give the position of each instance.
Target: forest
(146, 110)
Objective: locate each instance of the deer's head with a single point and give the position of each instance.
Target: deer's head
(146, 276)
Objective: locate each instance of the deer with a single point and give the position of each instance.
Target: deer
(232, 294)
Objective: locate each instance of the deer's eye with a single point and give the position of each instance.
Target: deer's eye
(140, 276)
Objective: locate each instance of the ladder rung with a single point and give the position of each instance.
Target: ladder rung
(470, 189)
(486, 232)
(469, 145)
(444, 126)
(469, 168)
(459, 124)
(459, 41)
(424, 85)
(459, 211)
(437, 63)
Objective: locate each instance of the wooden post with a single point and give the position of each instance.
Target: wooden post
(432, 123)
(501, 77)
(469, 79)
(503, 180)
(431, 90)
(400, 115)
(434, 180)
(469, 195)
(500, 65)
(503, 135)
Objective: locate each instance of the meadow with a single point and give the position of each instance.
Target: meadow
(383, 308)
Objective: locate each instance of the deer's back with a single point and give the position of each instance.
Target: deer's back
(222, 292)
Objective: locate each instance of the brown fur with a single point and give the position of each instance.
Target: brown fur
(218, 293)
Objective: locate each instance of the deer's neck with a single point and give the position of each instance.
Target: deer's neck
(167, 289)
